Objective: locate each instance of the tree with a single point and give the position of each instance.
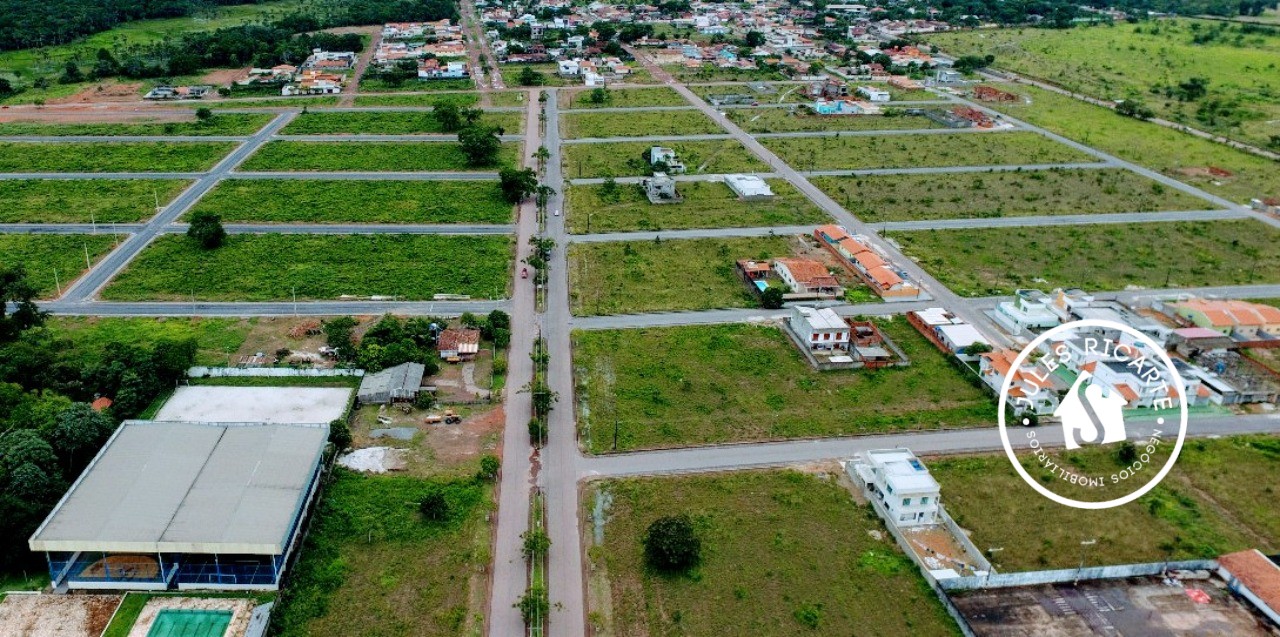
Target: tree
(339, 334)
(536, 544)
(672, 544)
(480, 144)
(771, 298)
(15, 289)
(599, 95)
(78, 432)
(206, 229)
(537, 431)
(1133, 108)
(204, 113)
(71, 73)
(754, 38)
(534, 606)
(339, 434)
(424, 400)
(530, 77)
(447, 114)
(6, 87)
(1127, 453)
(517, 183)
(489, 466)
(977, 347)
(609, 190)
(434, 506)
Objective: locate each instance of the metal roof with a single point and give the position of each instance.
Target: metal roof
(392, 382)
(168, 487)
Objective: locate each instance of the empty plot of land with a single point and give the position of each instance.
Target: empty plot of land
(622, 98)
(1003, 194)
(273, 267)
(223, 124)
(780, 120)
(784, 553)
(904, 151)
(83, 201)
(286, 405)
(1099, 257)
(107, 157)
(332, 201)
(640, 123)
(368, 156)
(706, 204)
(695, 385)
(387, 123)
(646, 276)
(418, 99)
(1215, 500)
(621, 159)
(56, 615)
(52, 260)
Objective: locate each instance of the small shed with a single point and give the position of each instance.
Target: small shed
(402, 382)
(458, 343)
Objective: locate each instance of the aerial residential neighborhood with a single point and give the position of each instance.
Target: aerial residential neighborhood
(567, 319)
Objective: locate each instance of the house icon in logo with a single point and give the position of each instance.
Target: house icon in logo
(1088, 412)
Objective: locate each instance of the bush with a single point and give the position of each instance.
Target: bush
(672, 544)
(536, 544)
(537, 431)
(771, 298)
(533, 605)
(434, 507)
(424, 400)
(340, 434)
(489, 466)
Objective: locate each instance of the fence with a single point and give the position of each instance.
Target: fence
(1034, 578)
(269, 372)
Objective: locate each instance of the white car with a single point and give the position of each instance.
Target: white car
(557, 212)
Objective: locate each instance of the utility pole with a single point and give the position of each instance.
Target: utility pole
(56, 284)
(87, 263)
(93, 221)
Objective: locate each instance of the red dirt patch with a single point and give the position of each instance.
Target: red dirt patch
(224, 77)
(102, 93)
(1205, 171)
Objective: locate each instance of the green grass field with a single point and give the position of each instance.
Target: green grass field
(627, 277)
(781, 120)
(82, 201)
(375, 85)
(624, 98)
(1173, 153)
(356, 201)
(696, 385)
(511, 75)
(388, 123)
(1215, 500)
(907, 151)
(1149, 61)
(367, 156)
(636, 124)
(49, 61)
(271, 267)
(705, 205)
(43, 255)
(784, 553)
(621, 159)
(218, 338)
(372, 565)
(1005, 194)
(708, 73)
(1098, 257)
(303, 101)
(222, 124)
(429, 99)
(107, 157)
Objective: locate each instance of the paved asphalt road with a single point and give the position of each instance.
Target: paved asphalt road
(915, 170)
(793, 134)
(355, 228)
(366, 137)
(156, 175)
(57, 139)
(370, 176)
(279, 308)
(88, 285)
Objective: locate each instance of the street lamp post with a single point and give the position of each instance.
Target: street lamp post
(1083, 545)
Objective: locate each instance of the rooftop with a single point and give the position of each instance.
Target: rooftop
(822, 318)
(903, 471)
(175, 487)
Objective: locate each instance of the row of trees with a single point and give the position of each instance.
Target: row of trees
(394, 340)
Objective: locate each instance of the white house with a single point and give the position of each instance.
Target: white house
(1029, 310)
(748, 187)
(1027, 392)
(666, 156)
(820, 328)
(568, 68)
(873, 94)
(902, 484)
(948, 331)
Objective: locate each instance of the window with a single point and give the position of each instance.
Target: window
(906, 502)
(815, 337)
(924, 500)
(826, 336)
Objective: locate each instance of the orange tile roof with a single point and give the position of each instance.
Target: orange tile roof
(806, 271)
(1127, 392)
(101, 403)
(1230, 313)
(1258, 573)
(884, 277)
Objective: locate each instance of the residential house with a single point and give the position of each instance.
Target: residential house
(1029, 310)
(749, 187)
(819, 328)
(432, 69)
(868, 265)
(844, 107)
(984, 93)
(874, 94)
(754, 270)
(568, 68)
(457, 344)
(948, 332)
(666, 156)
(806, 276)
(900, 482)
(661, 189)
(1029, 392)
(1241, 320)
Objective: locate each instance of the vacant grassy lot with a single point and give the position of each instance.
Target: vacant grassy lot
(357, 201)
(388, 123)
(270, 267)
(109, 157)
(1101, 257)
(80, 201)
(511, 75)
(377, 85)
(621, 159)
(43, 255)
(1216, 500)
(707, 73)
(1175, 154)
(706, 205)
(498, 99)
(627, 97)
(419, 99)
(626, 277)
(781, 120)
(368, 156)
(224, 124)
(218, 338)
(687, 386)
(779, 548)
(280, 102)
(1007, 194)
(372, 565)
(905, 151)
(1150, 61)
(636, 124)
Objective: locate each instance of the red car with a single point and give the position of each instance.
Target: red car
(524, 273)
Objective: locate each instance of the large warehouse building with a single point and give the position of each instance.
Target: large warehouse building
(180, 505)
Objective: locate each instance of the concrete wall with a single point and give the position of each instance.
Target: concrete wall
(271, 372)
(1034, 578)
